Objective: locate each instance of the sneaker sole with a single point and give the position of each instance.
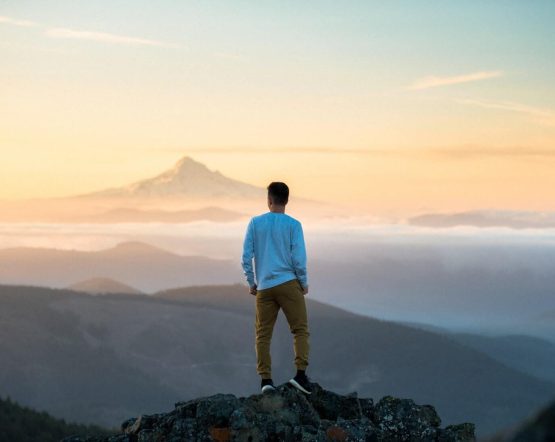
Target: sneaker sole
(298, 386)
(267, 388)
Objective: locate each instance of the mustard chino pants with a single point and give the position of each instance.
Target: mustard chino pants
(289, 297)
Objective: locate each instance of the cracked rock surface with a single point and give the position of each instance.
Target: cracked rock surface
(289, 415)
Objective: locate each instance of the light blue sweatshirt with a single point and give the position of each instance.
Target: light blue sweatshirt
(276, 242)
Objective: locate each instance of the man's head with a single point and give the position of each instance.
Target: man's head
(278, 193)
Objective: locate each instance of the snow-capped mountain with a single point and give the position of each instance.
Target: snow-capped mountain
(186, 178)
(186, 192)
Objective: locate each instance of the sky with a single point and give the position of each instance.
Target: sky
(401, 105)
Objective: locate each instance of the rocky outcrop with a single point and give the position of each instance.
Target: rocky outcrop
(289, 415)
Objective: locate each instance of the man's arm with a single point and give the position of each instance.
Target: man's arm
(248, 255)
(298, 253)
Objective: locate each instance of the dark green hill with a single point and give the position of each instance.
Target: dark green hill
(22, 424)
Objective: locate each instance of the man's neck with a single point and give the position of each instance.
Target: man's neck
(278, 209)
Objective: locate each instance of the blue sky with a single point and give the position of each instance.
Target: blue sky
(101, 82)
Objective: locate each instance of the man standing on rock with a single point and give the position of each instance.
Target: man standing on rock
(276, 243)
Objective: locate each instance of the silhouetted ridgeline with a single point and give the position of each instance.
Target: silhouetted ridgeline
(288, 415)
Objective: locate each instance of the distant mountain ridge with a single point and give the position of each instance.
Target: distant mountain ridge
(101, 285)
(134, 263)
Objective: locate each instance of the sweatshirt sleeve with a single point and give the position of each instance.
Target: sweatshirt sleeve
(298, 253)
(248, 254)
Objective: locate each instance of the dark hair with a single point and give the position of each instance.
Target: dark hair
(278, 192)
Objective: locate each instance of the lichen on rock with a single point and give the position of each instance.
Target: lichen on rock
(289, 415)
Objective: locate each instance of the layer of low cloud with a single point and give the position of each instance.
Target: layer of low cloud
(515, 219)
(350, 230)
(434, 81)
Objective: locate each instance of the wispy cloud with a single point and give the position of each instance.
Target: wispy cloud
(540, 115)
(16, 22)
(104, 37)
(433, 81)
(277, 149)
(469, 152)
(436, 153)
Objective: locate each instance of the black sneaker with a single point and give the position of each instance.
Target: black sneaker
(267, 385)
(301, 382)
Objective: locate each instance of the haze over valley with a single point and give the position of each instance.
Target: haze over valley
(104, 358)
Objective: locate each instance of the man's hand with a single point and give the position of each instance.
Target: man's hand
(252, 290)
(305, 290)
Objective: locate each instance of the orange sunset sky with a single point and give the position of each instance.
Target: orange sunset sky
(396, 106)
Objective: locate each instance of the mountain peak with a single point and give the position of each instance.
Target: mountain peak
(188, 168)
(188, 178)
(192, 178)
(187, 164)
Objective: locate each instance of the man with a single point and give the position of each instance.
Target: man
(276, 243)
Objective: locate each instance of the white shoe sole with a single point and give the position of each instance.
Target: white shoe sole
(267, 388)
(298, 386)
